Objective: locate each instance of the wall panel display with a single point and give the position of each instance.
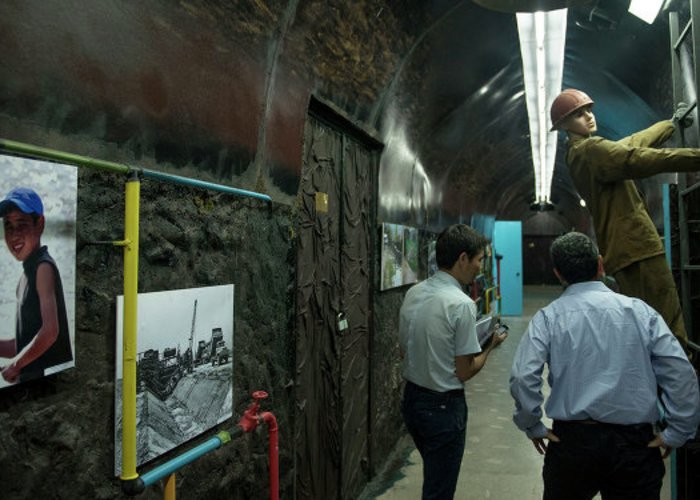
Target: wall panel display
(184, 374)
(399, 256)
(38, 203)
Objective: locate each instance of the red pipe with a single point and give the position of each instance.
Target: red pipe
(249, 422)
(274, 454)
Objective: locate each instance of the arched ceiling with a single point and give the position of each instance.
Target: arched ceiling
(220, 90)
(468, 131)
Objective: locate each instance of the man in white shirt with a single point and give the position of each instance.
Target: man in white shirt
(440, 350)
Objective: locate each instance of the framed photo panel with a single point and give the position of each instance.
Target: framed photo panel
(184, 374)
(38, 205)
(400, 256)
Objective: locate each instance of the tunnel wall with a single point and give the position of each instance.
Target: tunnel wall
(57, 431)
(60, 427)
(213, 90)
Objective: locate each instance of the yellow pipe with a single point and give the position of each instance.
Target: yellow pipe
(487, 295)
(131, 266)
(170, 488)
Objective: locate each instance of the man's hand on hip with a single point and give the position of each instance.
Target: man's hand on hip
(541, 445)
(658, 442)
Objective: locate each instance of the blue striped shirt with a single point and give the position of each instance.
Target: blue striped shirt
(606, 354)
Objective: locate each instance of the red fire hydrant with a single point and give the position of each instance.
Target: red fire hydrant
(249, 422)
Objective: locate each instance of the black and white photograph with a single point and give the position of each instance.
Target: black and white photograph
(184, 368)
(38, 204)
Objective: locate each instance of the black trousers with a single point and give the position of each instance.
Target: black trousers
(609, 459)
(437, 422)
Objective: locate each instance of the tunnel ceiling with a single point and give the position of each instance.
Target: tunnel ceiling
(220, 90)
(469, 129)
(530, 5)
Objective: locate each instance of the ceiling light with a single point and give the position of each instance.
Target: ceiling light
(542, 206)
(542, 39)
(646, 10)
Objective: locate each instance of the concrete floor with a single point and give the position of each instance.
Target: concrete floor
(499, 462)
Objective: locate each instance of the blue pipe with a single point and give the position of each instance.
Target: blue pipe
(161, 176)
(667, 222)
(180, 461)
(674, 476)
(84, 161)
(667, 247)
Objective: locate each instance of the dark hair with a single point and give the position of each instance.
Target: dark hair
(454, 240)
(575, 257)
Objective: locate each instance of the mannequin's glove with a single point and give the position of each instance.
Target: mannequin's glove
(678, 117)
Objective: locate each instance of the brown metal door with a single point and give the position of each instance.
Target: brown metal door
(357, 214)
(333, 280)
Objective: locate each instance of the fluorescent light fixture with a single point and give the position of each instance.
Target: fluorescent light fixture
(542, 39)
(646, 10)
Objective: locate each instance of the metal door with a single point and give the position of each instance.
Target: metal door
(334, 269)
(508, 242)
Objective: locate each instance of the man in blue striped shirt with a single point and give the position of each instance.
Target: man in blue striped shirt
(608, 357)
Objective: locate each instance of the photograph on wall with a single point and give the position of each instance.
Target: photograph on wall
(428, 244)
(184, 368)
(410, 255)
(399, 264)
(38, 205)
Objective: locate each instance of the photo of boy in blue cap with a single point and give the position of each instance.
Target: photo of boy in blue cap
(42, 337)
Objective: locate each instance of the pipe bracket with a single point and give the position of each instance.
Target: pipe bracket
(133, 487)
(224, 436)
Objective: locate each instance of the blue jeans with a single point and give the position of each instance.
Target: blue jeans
(437, 422)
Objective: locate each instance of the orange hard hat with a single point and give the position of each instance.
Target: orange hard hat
(566, 103)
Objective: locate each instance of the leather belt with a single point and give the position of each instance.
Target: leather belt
(425, 390)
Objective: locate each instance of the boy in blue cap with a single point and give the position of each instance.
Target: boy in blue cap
(41, 335)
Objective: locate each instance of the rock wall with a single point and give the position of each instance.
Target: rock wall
(216, 91)
(386, 379)
(57, 432)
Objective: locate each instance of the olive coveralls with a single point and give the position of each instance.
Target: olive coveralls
(632, 250)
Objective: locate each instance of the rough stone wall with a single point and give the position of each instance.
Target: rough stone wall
(57, 432)
(387, 447)
(186, 87)
(386, 381)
